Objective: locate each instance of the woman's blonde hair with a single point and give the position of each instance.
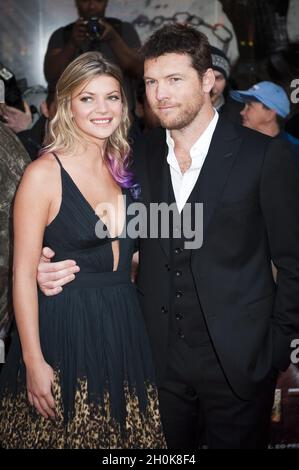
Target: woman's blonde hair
(63, 133)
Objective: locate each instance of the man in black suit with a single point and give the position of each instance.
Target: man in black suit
(220, 328)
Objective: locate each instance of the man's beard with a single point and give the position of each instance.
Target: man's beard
(183, 117)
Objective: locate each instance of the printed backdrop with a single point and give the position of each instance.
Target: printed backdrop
(26, 25)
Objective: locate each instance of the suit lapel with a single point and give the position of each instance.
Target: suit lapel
(159, 178)
(215, 171)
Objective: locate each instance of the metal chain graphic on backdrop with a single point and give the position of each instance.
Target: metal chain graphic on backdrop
(186, 18)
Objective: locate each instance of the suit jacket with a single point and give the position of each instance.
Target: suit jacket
(249, 187)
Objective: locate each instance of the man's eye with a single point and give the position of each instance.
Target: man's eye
(175, 79)
(149, 82)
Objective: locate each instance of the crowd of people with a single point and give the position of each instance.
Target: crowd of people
(187, 350)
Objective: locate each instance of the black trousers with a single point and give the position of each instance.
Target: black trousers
(199, 407)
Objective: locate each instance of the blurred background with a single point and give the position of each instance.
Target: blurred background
(254, 30)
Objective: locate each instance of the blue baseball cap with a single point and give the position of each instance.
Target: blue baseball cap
(268, 93)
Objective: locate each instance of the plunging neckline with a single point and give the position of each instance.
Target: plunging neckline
(87, 203)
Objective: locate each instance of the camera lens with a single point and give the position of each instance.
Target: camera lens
(94, 27)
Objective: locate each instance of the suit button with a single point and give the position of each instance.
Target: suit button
(167, 267)
(178, 251)
(181, 334)
(179, 316)
(178, 273)
(164, 310)
(179, 294)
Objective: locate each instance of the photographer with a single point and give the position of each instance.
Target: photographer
(15, 113)
(116, 40)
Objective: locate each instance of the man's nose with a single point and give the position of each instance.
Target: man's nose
(162, 92)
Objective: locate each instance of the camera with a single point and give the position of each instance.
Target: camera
(13, 94)
(94, 28)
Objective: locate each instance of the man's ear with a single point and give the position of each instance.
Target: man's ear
(208, 80)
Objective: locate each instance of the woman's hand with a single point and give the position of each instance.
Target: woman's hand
(40, 377)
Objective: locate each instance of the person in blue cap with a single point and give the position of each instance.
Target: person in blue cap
(266, 107)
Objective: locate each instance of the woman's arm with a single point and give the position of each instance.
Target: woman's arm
(31, 212)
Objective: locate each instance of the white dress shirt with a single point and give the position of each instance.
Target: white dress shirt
(183, 184)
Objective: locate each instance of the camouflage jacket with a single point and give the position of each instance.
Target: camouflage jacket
(13, 160)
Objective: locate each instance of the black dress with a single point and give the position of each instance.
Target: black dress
(93, 335)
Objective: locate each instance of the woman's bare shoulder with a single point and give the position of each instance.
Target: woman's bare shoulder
(44, 169)
(42, 178)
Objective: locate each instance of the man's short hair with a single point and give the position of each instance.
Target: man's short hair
(179, 39)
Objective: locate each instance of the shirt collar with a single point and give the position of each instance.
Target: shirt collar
(199, 149)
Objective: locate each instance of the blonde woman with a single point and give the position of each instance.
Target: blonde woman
(79, 372)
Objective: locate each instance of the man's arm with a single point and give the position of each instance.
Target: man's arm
(279, 189)
(58, 54)
(125, 47)
(52, 276)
